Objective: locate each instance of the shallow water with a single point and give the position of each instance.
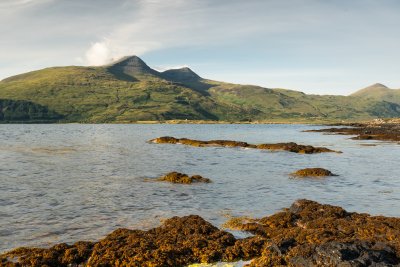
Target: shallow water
(63, 183)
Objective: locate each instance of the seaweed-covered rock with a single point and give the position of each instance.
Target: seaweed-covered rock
(165, 140)
(290, 147)
(312, 234)
(368, 131)
(313, 172)
(296, 148)
(306, 234)
(181, 178)
(58, 255)
(178, 242)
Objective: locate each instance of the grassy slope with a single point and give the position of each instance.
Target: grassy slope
(293, 105)
(94, 94)
(379, 92)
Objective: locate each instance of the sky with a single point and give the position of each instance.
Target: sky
(314, 46)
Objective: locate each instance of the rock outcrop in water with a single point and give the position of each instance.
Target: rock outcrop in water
(291, 147)
(178, 242)
(368, 131)
(58, 255)
(312, 234)
(313, 172)
(306, 234)
(181, 178)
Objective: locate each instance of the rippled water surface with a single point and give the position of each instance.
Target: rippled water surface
(63, 183)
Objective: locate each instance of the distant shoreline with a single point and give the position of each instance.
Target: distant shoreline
(317, 122)
(277, 121)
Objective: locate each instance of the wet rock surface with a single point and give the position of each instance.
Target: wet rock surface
(355, 253)
(369, 131)
(306, 234)
(312, 234)
(58, 255)
(181, 178)
(290, 147)
(313, 172)
(178, 242)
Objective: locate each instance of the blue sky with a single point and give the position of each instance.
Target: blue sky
(321, 47)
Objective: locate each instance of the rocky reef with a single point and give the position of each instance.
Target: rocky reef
(178, 242)
(313, 172)
(291, 147)
(312, 234)
(306, 234)
(383, 131)
(181, 178)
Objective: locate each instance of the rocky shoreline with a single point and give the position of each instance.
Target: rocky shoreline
(290, 147)
(305, 234)
(375, 130)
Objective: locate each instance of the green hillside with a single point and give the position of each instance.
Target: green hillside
(379, 92)
(130, 91)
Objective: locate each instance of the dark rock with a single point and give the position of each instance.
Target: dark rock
(355, 253)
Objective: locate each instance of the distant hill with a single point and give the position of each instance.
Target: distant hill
(129, 91)
(380, 92)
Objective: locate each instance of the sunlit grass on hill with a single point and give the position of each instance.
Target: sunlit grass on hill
(130, 91)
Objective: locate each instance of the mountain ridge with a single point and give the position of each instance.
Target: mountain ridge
(128, 90)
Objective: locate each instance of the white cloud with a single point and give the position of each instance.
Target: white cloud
(155, 25)
(98, 54)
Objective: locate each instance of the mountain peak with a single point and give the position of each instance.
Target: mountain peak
(376, 88)
(131, 66)
(130, 61)
(181, 74)
(378, 85)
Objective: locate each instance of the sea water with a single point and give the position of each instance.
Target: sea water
(70, 182)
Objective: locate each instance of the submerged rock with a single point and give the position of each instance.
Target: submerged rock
(181, 178)
(313, 172)
(291, 147)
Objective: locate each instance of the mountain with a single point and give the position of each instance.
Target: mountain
(379, 92)
(132, 68)
(129, 90)
(180, 75)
